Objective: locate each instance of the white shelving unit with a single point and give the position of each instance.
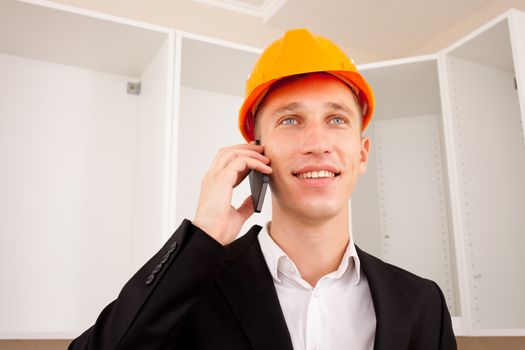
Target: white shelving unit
(443, 196)
(400, 207)
(94, 179)
(483, 72)
(84, 163)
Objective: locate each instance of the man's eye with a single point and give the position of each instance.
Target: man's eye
(337, 120)
(289, 121)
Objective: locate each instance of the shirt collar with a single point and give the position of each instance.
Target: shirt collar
(271, 251)
(273, 254)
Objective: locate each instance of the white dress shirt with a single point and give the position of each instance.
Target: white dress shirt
(336, 314)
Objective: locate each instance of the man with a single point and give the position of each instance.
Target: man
(300, 282)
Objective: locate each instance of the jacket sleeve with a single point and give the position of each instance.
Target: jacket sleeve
(447, 340)
(153, 302)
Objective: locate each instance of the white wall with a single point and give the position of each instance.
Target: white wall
(66, 189)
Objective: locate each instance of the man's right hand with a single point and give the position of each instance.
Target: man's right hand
(215, 214)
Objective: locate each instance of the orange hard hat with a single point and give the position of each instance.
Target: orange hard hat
(299, 52)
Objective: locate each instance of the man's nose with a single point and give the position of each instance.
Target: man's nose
(315, 139)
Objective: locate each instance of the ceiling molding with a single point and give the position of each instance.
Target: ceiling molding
(265, 11)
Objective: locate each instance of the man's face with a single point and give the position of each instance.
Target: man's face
(310, 129)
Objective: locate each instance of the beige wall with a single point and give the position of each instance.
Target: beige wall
(467, 25)
(464, 343)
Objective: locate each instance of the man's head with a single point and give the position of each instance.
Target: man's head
(307, 104)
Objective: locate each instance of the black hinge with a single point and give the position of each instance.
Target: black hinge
(515, 84)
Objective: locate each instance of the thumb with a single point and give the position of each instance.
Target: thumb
(246, 208)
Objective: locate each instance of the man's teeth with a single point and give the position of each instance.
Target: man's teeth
(316, 174)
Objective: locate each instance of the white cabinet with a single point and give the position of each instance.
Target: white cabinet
(84, 164)
(94, 179)
(444, 194)
(400, 207)
(482, 76)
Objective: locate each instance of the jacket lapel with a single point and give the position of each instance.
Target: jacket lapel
(391, 304)
(248, 287)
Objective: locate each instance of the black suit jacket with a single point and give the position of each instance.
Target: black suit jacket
(196, 294)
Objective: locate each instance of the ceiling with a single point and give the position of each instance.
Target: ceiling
(368, 30)
(389, 28)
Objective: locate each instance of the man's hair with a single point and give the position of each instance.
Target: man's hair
(290, 79)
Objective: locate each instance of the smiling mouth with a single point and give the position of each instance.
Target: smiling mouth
(316, 174)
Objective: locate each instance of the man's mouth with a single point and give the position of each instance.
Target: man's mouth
(315, 174)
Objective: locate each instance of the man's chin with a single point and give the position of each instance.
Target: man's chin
(310, 207)
(317, 212)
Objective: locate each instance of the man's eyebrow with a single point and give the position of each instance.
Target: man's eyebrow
(340, 107)
(289, 108)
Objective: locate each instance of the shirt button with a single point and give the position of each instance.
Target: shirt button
(316, 294)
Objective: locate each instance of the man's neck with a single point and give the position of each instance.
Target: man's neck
(316, 248)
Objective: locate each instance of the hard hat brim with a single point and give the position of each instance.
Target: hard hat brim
(353, 79)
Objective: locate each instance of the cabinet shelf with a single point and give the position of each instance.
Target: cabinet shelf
(57, 35)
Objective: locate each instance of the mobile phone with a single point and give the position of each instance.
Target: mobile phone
(258, 185)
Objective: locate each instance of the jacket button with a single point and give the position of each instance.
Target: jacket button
(173, 247)
(165, 258)
(150, 279)
(157, 268)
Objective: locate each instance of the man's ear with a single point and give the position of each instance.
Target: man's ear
(365, 150)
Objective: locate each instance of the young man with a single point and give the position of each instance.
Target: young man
(300, 282)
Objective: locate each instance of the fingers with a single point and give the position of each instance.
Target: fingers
(241, 164)
(238, 169)
(232, 164)
(246, 209)
(229, 154)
